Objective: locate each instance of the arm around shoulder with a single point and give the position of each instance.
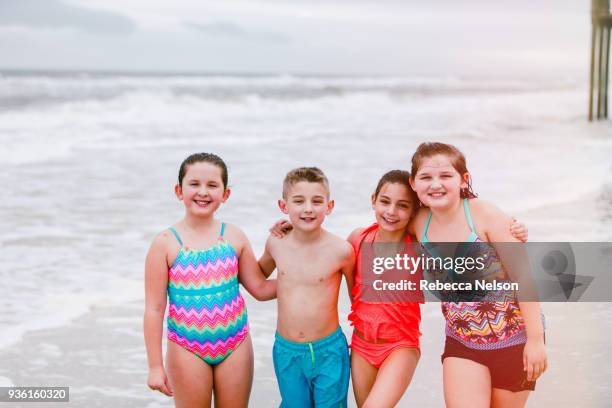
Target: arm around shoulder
(266, 261)
(495, 222)
(250, 273)
(348, 266)
(354, 234)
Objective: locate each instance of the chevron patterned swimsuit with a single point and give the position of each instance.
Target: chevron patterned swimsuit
(207, 314)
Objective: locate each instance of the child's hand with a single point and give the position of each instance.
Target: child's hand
(519, 230)
(280, 228)
(534, 359)
(158, 381)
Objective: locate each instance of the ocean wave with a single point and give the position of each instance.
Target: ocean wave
(36, 90)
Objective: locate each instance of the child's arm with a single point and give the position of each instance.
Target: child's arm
(266, 262)
(249, 272)
(514, 258)
(156, 283)
(348, 266)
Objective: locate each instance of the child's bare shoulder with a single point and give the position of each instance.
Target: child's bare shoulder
(235, 236)
(164, 242)
(164, 238)
(275, 244)
(485, 209)
(232, 231)
(354, 234)
(338, 244)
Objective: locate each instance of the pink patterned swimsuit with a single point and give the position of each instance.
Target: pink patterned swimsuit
(207, 314)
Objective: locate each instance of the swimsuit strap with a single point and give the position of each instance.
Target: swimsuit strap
(222, 230)
(473, 236)
(176, 235)
(424, 237)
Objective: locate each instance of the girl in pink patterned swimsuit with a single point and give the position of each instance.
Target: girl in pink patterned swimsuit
(494, 349)
(197, 265)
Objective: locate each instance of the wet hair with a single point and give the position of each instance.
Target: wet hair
(309, 174)
(203, 158)
(399, 177)
(457, 159)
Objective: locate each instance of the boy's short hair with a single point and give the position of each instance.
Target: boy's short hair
(309, 174)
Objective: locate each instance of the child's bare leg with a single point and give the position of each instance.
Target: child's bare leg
(363, 375)
(190, 377)
(508, 399)
(467, 384)
(394, 376)
(234, 377)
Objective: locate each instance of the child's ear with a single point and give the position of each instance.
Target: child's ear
(282, 204)
(465, 180)
(330, 207)
(373, 200)
(411, 182)
(226, 194)
(178, 191)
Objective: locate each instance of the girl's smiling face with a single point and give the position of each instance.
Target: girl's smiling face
(437, 183)
(393, 206)
(202, 190)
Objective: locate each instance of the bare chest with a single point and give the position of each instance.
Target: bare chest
(307, 268)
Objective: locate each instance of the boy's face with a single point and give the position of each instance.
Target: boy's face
(307, 204)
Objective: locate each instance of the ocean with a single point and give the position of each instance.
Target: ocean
(89, 161)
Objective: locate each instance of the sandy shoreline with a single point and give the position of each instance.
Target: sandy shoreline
(101, 357)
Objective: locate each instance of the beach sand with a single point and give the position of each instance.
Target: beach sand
(101, 357)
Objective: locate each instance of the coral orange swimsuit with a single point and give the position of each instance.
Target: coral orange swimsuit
(381, 327)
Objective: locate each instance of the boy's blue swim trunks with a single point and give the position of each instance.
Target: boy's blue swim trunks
(314, 374)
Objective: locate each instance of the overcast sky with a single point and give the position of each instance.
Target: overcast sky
(400, 37)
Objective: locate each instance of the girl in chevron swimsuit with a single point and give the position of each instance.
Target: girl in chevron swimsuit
(197, 265)
(494, 349)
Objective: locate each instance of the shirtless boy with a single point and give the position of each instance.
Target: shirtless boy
(311, 358)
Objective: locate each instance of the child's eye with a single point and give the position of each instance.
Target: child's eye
(425, 177)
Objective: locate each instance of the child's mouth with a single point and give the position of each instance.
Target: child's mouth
(202, 203)
(308, 219)
(437, 194)
(390, 221)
